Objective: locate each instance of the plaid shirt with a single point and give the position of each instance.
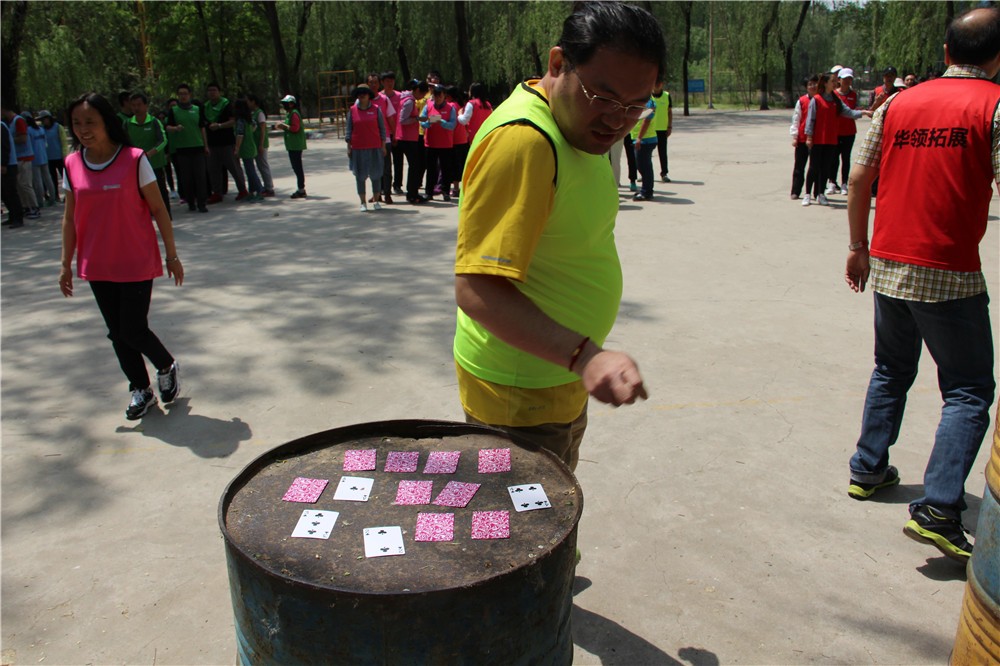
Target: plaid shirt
(920, 283)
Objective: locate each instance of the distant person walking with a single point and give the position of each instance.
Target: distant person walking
(934, 147)
(111, 191)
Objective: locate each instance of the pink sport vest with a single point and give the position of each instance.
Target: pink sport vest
(480, 112)
(826, 124)
(461, 131)
(936, 174)
(410, 131)
(364, 127)
(803, 114)
(436, 136)
(847, 126)
(115, 239)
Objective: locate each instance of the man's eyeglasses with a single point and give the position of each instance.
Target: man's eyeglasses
(608, 105)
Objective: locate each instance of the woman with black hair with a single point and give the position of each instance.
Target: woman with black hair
(366, 144)
(111, 192)
(821, 132)
(481, 108)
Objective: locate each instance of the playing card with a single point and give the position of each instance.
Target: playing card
(529, 497)
(414, 492)
(442, 462)
(315, 524)
(381, 541)
(305, 490)
(435, 527)
(490, 525)
(456, 493)
(494, 460)
(359, 461)
(353, 488)
(402, 461)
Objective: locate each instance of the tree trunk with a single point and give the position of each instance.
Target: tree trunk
(536, 58)
(765, 33)
(463, 43)
(14, 14)
(200, 8)
(789, 52)
(270, 10)
(686, 9)
(303, 20)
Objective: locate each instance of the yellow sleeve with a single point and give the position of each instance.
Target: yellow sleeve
(507, 193)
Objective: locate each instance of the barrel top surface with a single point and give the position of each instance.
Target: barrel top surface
(258, 523)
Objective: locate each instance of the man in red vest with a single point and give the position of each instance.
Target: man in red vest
(935, 151)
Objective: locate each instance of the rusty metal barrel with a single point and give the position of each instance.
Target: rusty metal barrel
(465, 601)
(978, 638)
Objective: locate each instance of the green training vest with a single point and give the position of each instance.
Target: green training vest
(575, 276)
(190, 136)
(149, 135)
(295, 140)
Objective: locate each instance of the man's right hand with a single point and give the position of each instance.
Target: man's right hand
(611, 377)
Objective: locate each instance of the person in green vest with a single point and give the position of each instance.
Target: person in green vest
(295, 142)
(124, 106)
(663, 123)
(246, 147)
(146, 132)
(219, 131)
(643, 144)
(187, 141)
(538, 281)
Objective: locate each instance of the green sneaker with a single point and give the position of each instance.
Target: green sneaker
(929, 525)
(863, 491)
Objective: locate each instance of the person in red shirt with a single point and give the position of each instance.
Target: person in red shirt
(798, 132)
(934, 149)
(848, 130)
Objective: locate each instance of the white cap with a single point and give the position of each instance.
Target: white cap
(846, 72)
(899, 83)
(836, 68)
(288, 98)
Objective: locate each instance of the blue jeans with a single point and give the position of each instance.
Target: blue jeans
(959, 339)
(644, 159)
(253, 182)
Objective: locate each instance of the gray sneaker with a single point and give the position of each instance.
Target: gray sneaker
(169, 382)
(142, 400)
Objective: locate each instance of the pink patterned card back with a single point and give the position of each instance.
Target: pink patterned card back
(442, 462)
(305, 490)
(456, 494)
(435, 527)
(359, 461)
(414, 492)
(490, 525)
(402, 461)
(492, 461)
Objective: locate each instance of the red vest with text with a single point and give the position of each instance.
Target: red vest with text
(847, 126)
(825, 125)
(436, 136)
(364, 127)
(936, 174)
(115, 239)
(803, 114)
(390, 121)
(461, 131)
(480, 112)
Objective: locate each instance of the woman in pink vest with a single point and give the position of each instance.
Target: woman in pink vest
(460, 151)
(821, 131)
(111, 191)
(438, 120)
(366, 144)
(481, 108)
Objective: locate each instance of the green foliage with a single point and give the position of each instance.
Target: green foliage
(70, 47)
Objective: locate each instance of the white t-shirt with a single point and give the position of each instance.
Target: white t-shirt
(146, 173)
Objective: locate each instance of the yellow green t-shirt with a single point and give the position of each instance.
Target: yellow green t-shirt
(541, 213)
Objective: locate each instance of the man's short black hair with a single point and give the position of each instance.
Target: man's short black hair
(123, 97)
(388, 75)
(213, 84)
(613, 25)
(974, 42)
(139, 95)
(183, 86)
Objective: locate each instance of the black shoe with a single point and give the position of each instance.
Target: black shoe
(169, 383)
(142, 400)
(202, 209)
(416, 200)
(396, 189)
(446, 197)
(933, 526)
(863, 491)
(665, 178)
(641, 197)
(387, 198)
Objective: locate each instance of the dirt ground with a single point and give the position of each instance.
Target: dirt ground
(716, 528)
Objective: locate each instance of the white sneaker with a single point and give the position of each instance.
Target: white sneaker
(377, 206)
(832, 189)
(363, 208)
(822, 200)
(806, 200)
(843, 189)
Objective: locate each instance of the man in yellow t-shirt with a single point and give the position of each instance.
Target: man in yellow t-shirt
(537, 276)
